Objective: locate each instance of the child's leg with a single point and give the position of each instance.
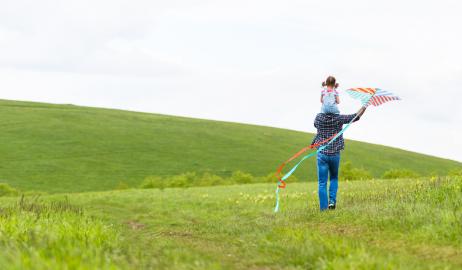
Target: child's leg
(330, 109)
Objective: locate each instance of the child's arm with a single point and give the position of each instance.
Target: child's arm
(337, 99)
(322, 97)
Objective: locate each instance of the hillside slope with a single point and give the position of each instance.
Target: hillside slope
(66, 148)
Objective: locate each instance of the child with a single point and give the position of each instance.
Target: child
(329, 96)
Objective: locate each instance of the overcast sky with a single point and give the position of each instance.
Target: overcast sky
(251, 61)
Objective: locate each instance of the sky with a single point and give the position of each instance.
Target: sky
(251, 61)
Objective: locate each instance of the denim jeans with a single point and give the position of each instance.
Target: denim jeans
(328, 165)
(330, 108)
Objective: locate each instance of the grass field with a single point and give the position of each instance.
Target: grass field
(66, 148)
(76, 156)
(393, 224)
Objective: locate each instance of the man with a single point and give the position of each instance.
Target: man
(329, 124)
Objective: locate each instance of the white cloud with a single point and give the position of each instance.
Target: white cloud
(247, 61)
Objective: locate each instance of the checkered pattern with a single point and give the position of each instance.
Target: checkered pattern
(328, 125)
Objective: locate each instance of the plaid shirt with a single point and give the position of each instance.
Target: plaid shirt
(328, 125)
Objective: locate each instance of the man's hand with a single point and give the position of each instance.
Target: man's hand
(361, 111)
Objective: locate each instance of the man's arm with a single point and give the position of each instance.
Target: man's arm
(345, 119)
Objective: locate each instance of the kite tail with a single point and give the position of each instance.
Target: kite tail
(287, 175)
(276, 209)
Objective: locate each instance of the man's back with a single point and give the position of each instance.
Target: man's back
(328, 125)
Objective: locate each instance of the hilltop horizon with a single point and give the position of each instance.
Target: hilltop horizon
(231, 121)
(68, 148)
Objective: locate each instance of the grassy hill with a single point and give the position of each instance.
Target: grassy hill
(395, 224)
(66, 148)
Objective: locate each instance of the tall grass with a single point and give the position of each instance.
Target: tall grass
(55, 235)
(378, 224)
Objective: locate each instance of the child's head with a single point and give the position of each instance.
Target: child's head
(330, 82)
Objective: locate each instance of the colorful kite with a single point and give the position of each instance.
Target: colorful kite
(374, 96)
(367, 96)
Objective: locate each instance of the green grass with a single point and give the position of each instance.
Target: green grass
(55, 235)
(66, 148)
(379, 224)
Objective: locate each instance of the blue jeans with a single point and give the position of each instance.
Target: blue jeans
(328, 165)
(330, 108)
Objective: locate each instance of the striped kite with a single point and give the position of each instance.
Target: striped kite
(373, 96)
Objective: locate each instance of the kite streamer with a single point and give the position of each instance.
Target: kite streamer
(367, 96)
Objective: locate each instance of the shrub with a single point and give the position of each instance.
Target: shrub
(455, 172)
(209, 179)
(189, 179)
(347, 172)
(399, 173)
(7, 190)
(183, 180)
(272, 178)
(192, 179)
(152, 182)
(239, 177)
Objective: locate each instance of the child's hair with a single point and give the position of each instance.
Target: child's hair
(330, 81)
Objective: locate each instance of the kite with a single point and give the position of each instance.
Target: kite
(367, 96)
(373, 96)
